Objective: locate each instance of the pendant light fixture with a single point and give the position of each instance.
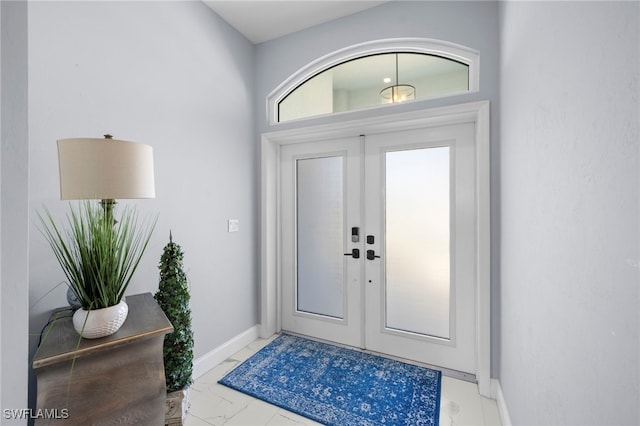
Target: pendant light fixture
(398, 92)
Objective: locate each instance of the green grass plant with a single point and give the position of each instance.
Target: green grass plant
(97, 254)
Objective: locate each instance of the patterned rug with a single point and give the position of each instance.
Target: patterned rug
(338, 386)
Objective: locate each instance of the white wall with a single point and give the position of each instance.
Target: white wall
(472, 24)
(13, 208)
(570, 235)
(175, 76)
(1, 115)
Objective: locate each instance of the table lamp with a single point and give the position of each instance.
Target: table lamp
(105, 169)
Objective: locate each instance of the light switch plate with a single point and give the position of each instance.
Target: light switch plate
(234, 225)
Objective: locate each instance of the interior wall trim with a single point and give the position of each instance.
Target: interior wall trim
(206, 362)
(496, 393)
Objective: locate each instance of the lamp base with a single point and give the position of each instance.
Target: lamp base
(108, 205)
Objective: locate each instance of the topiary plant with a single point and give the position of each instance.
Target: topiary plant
(173, 297)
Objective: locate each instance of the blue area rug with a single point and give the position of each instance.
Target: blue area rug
(338, 386)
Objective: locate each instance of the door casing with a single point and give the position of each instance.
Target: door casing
(476, 113)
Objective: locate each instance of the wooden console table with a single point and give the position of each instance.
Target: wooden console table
(116, 380)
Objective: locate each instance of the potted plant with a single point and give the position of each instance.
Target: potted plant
(173, 297)
(98, 255)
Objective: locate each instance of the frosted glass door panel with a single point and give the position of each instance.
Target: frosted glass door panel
(417, 241)
(320, 236)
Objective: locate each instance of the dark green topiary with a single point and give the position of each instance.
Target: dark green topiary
(173, 297)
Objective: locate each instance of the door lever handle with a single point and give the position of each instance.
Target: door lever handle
(355, 253)
(371, 254)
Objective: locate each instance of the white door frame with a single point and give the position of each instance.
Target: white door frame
(477, 113)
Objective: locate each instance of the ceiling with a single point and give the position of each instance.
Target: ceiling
(261, 21)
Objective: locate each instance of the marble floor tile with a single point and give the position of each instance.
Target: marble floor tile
(214, 404)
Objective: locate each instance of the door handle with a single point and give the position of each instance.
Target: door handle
(355, 253)
(371, 254)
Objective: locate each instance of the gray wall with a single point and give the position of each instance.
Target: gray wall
(14, 226)
(175, 76)
(472, 24)
(570, 236)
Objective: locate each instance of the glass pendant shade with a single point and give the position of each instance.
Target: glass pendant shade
(398, 93)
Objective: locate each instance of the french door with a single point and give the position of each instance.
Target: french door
(321, 202)
(378, 243)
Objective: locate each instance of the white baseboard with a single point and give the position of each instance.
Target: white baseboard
(496, 393)
(206, 362)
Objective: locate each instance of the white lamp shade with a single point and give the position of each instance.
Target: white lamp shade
(105, 169)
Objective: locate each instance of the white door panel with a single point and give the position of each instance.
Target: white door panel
(420, 208)
(413, 192)
(320, 204)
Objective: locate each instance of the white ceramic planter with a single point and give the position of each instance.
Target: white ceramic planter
(100, 322)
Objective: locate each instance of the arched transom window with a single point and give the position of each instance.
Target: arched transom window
(378, 78)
